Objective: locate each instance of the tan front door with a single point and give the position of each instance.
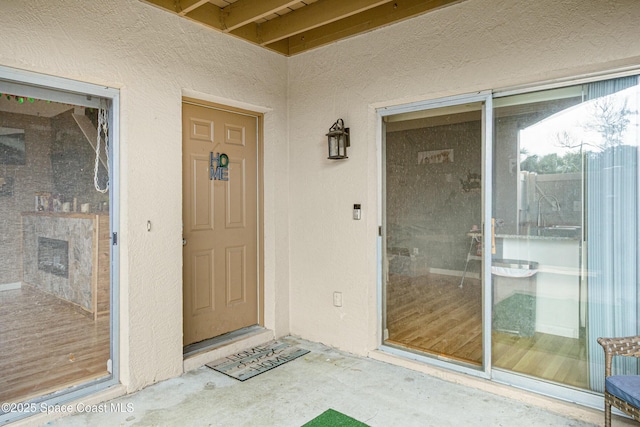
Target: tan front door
(220, 282)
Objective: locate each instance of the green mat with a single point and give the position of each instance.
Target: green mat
(331, 418)
(516, 315)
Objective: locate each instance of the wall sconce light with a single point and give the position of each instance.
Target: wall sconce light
(338, 141)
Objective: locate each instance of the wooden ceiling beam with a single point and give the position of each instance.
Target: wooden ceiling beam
(207, 14)
(187, 6)
(312, 16)
(245, 12)
(248, 32)
(371, 19)
(313, 25)
(281, 46)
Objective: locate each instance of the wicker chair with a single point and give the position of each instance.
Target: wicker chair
(621, 391)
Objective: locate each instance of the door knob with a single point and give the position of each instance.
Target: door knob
(184, 242)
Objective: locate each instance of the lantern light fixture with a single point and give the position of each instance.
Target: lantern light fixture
(338, 140)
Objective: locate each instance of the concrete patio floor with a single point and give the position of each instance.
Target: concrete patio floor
(371, 391)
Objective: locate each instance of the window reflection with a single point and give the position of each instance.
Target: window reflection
(565, 191)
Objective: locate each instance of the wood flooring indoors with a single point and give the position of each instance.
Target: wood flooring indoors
(434, 315)
(47, 344)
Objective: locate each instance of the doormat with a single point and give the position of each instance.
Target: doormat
(254, 361)
(331, 418)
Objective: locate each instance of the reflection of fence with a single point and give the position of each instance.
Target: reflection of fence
(535, 190)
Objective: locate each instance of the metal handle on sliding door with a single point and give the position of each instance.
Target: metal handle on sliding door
(493, 236)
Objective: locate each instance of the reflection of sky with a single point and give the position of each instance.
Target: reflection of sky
(541, 138)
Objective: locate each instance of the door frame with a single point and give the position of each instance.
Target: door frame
(513, 379)
(486, 191)
(76, 92)
(259, 117)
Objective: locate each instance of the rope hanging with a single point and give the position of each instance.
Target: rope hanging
(103, 129)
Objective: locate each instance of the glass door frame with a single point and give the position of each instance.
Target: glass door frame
(485, 97)
(498, 375)
(583, 397)
(75, 92)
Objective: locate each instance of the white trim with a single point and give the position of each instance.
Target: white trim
(546, 388)
(434, 103)
(486, 100)
(382, 332)
(487, 214)
(435, 360)
(114, 227)
(565, 81)
(190, 93)
(53, 88)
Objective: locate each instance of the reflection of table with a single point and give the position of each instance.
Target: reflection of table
(474, 253)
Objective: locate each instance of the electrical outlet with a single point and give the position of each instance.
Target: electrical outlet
(337, 299)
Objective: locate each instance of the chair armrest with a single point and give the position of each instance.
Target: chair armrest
(624, 346)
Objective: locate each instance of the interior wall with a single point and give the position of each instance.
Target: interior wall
(153, 57)
(73, 175)
(428, 210)
(471, 46)
(48, 168)
(21, 184)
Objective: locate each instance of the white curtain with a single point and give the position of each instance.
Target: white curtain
(612, 218)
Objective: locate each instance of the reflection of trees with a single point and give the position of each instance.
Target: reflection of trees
(552, 163)
(609, 117)
(565, 139)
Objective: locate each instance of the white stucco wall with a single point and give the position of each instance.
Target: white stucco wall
(471, 46)
(152, 56)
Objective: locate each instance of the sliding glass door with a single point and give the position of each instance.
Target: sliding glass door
(432, 231)
(510, 233)
(57, 188)
(565, 192)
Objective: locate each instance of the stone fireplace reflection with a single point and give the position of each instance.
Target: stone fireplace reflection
(67, 255)
(53, 256)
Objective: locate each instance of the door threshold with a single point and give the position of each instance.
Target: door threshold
(219, 341)
(201, 353)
